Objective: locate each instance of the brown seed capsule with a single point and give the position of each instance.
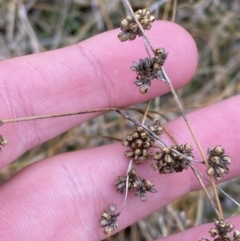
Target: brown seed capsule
(129, 153)
(151, 18)
(139, 129)
(218, 151)
(210, 171)
(144, 88)
(135, 135)
(143, 135)
(134, 28)
(146, 144)
(141, 159)
(215, 160)
(236, 234)
(219, 170)
(123, 36)
(144, 22)
(145, 152)
(129, 137)
(103, 222)
(226, 159)
(213, 232)
(137, 152)
(131, 36)
(106, 215)
(3, 141)
(139, 142)
(166, 150)
(124, 23)
(125, 143)
(108, 230)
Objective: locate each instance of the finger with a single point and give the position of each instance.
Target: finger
(90, 75)
(66, 194)
(199, 232)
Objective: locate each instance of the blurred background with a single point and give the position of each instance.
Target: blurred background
(31, 26)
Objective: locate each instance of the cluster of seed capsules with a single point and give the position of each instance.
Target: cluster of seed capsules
(135, 184)
(140, 142)
(218, 162)
(148, 69)
(3, 142)
(109, 220)
(223, 232)
(169, 161)
(129, 27)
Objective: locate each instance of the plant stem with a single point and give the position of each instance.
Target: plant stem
(127, 182)
(39, 117)
(146, 111)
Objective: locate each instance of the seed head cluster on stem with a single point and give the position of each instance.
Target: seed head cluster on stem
(168, 159)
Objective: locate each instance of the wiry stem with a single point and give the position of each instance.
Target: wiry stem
(219, 189)
(127, 182)
(146, 111)
(206, 191)
(39, 117)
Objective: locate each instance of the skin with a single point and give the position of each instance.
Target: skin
(62, 198)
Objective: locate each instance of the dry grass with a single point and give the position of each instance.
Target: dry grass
(39, 25)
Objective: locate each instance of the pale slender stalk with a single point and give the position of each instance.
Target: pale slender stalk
(219, 189)
(127, 182)
(39, 117)
(200, 208)
(174, 11)
(146, 111)
(206, 191)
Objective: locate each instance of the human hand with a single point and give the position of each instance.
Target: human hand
(62, 198)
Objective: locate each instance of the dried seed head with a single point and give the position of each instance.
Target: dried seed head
(223, 231)
(167, 161)
(109, 220)
(3, 142)
(144, 88)
(140, 142)
(236, 235)
(129, 27)
(147, 69)
(218, 162)
(210, 171)
(135, 184)
(156, 127)
(160, 55)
